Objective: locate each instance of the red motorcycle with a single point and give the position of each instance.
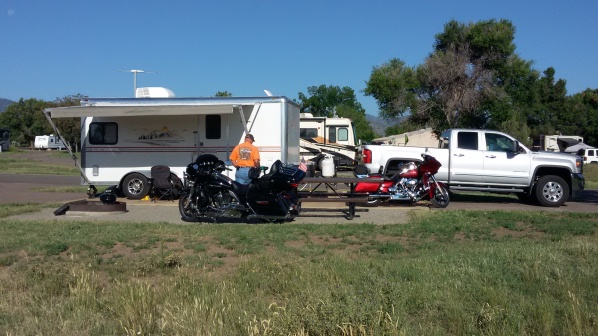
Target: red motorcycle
(414, 181)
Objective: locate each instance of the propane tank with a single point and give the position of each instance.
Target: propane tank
(327, 166)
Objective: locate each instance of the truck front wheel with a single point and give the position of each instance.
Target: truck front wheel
(135, 186)
(551, 191)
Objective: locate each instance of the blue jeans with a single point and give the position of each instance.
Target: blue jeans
(242, 176)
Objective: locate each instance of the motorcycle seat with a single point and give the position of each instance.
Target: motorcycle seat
(240, 188)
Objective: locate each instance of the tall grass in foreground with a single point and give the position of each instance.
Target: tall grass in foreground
(446, 273)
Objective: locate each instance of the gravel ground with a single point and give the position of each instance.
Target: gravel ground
(167, 212)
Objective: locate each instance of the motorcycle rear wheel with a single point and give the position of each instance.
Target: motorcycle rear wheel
(441, 198)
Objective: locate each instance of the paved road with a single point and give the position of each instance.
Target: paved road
(17, 188)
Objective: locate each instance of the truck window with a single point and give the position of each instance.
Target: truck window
(213, 126)
(103, 133)
(498, 142)
(467, 140)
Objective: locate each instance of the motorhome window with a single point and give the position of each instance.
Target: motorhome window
(102, 133)
(213, 126)
(467, 140)
(343, 134)
(331, 135)
(308, 133)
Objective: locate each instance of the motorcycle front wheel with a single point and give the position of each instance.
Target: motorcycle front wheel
(441, 198)
(186, 210)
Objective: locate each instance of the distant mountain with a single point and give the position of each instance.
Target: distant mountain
(4, 104)
(378, 124)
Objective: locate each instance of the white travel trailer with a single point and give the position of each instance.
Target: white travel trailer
(558, 143)
(48, 142)
(334, 136)
(122, 138)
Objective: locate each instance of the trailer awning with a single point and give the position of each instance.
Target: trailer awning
(130, 111)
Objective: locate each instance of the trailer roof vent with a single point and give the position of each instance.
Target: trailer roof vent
(153, 92)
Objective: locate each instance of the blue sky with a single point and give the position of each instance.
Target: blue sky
(196, 48)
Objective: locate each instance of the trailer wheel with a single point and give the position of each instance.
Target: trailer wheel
(551, 191)
(135, 186)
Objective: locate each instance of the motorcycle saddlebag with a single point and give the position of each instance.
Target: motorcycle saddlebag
(367, 187)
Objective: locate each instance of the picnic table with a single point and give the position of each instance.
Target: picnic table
(334, 189)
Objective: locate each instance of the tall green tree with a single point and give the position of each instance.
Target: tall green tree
(326, 101)
(25, 120)
(453, 86)
(70, 128)
(584, 106)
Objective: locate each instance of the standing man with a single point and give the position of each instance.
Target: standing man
(245, 156)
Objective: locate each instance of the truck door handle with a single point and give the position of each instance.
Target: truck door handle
(459, 155)
(491, 156)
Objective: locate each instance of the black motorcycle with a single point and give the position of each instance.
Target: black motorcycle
(210, 195)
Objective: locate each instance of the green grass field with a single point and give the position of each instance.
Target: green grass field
(445, 273)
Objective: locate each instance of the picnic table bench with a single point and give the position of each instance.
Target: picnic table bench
(337, 189)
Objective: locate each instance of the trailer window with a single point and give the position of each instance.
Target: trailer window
(343, 134)
(308, 133)
(103, 133)
(467, 140)
(213, 126)
(331, 135)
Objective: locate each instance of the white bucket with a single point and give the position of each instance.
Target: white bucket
(327, 166)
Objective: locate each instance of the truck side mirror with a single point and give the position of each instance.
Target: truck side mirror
(515, 148)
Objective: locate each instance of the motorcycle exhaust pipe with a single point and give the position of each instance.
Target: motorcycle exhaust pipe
(380, 195)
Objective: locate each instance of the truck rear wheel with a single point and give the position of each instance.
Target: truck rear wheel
(551, 191)
(135, 186)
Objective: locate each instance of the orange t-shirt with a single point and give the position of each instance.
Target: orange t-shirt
(244, 155)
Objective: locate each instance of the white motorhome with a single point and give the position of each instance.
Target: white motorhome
(122, 138)
(334, 136)
(558, 143)
(48, 142)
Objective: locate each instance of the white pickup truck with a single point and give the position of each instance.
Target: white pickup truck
(486, 160)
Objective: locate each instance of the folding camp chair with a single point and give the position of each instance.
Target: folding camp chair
(164, 183)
